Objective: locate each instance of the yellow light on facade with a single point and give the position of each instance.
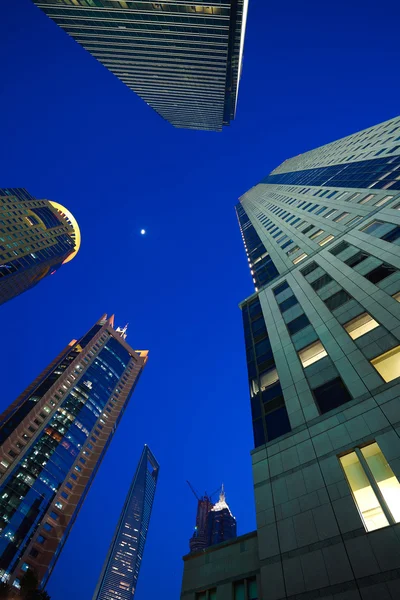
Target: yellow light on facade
(66, 213)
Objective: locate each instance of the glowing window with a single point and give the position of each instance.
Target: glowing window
(375, 488)
(326, 239)
(312, 353)
(299, 258)
(396, 296)
(388, 364)
(360, 325)
(364, 496)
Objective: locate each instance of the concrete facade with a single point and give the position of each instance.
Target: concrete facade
(314, 537)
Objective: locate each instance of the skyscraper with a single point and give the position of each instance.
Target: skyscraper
(182, 58)
(221, 522)
(36, 238)
(200, 538)
(52, 441)
(322, 336)
(118, 579)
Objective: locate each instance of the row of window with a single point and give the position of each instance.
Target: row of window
(245, 589)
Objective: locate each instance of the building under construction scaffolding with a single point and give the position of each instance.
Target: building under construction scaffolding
(214, 522)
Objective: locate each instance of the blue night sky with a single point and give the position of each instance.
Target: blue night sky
(73, 133)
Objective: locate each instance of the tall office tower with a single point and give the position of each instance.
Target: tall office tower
(221, 522)
(322, 335)
(200, 538)
(36, 238)
(183, 58)
(52, 441)
(118, 579)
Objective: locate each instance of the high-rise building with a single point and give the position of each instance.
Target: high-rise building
(36, 238)
(322, 336)
(182, 58)
(200, 537)
(221, 522)
(52, 441)
(119, 576)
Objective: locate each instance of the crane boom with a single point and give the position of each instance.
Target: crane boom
(193, 490)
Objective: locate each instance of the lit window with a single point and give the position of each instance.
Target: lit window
(375, 488)
(316, 234)
(367, 503)
(58, 505)
(327, 239)
(360, 325)
(299, 258)
(396, 296)
(340, 217)
(312, 353)
(383, 200)
(388, 364)
(366, 199)
(388, 483)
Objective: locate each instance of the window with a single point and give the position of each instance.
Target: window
(286, 304)
(337, 300)
(396, 296)
(326, 240)
(360, 325)
(383, 200)
(281, 288)
(54, 515)
(297, 324)
(339, 248)
(64, 495)
(316, 234)
(293, 250)
(48, 527)
(340, 217)
(388, 364)
(330, 395)
(321, 282)
(374, 486)
(299, 258)
(372, 227)
(40, 539)
(330, 213)
(309, 269)
(312, 353)
(380, 273)
(34, 553)
(245, 589)
(58, 505)
(366, 199)
(207, 595)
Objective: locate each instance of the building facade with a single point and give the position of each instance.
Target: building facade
(200, 537)
(52, 441)
(322, 336)
(36, 238)
(182, 58)
(221, 522)
(119, 576)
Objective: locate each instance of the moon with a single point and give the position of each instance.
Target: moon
(142, 231)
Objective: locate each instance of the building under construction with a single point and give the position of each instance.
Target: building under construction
(214, 522)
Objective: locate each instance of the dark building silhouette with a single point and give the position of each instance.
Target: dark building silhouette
(120, 572)
(221, 524)
(199, 539)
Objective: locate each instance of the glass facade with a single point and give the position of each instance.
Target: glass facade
(120, 572)
(56, 436)
(182, 59)
(36, 238)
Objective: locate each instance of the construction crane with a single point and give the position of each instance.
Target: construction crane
(208, 496)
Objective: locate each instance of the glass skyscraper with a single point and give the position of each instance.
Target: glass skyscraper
(36, 238)
(183, 58)
(322, 337)
(118, 579)
(52, 441)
